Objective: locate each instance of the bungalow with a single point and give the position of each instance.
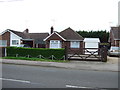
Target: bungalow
(66, 38)
(14, 38)
(114, 37)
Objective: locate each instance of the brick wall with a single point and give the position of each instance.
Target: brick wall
(6, 36)
(75, 50)
(67, 44)
(117, 43)
(2, 52)
(54, 37)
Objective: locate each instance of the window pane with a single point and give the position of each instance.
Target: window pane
(75, 44)
(15, 42)
(55, 44)
(3, 43)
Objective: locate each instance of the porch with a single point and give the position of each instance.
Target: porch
(29, 42)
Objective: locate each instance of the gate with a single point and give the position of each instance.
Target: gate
(91, 54)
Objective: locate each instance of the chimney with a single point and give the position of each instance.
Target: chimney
(26, 31)
(52, 29)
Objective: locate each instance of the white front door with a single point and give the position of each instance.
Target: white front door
(55, 44)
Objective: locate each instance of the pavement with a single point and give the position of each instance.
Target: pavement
(110, 65)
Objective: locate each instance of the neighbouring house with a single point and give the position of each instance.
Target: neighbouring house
(67, 38)
(14, 38)
(91, 44)
(114, 37)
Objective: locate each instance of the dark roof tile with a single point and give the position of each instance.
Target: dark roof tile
(38, 37)
(70, 34)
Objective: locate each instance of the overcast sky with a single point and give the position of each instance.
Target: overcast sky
(40, 15)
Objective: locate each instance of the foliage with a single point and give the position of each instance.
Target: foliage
(34, 52)
(102, 35)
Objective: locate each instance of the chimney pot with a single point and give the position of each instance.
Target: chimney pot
(26, 31)
(52, 29)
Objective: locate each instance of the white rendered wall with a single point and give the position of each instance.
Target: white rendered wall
(14, 37)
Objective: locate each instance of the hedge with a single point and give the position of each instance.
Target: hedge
(35, 52)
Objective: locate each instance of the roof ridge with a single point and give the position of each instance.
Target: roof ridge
(14, 30)
(38, 33)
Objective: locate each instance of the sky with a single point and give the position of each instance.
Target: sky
(39, 15)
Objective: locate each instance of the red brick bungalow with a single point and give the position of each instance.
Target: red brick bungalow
(114, 37)
(66, 38)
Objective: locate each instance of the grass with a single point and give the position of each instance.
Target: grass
(34, 59)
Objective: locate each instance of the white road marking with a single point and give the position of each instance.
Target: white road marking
(71, 86)
(23, 81)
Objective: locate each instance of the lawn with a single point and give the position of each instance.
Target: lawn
(34, 59)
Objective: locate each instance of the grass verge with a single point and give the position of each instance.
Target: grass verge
(34, 59)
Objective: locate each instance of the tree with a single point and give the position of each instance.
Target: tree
(102, 35)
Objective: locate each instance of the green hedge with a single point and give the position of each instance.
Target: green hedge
(35, 52)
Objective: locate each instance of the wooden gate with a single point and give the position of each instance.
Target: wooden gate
(92, 54)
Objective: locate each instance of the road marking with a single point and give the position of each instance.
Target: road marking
(71, 86)
(23, 81)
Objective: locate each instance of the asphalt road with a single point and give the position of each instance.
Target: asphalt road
(21, 76)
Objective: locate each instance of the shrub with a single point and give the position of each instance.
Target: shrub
(34, 52)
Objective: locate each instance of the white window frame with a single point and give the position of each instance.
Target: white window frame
(75, 44)
(17, 43)
(55, 44)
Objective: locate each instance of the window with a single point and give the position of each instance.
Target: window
(3, 43)
(55, 44)
(15, 42)
(75, 44)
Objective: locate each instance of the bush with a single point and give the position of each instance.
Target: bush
(34, 52)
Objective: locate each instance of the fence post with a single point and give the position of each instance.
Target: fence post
(16, 55)
(28, 56)
(5, 52)
(52, 57)
(104, 54)
(66, 53)
(40, 56)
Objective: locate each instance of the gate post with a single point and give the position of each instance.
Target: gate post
(104, 54)
(66, 53)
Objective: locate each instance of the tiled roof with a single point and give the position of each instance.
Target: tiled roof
(20, 34)
(70, 34)
(38, 37)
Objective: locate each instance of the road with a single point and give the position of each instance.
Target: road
(22, 76)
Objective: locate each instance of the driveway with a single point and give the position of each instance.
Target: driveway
(113, 60)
